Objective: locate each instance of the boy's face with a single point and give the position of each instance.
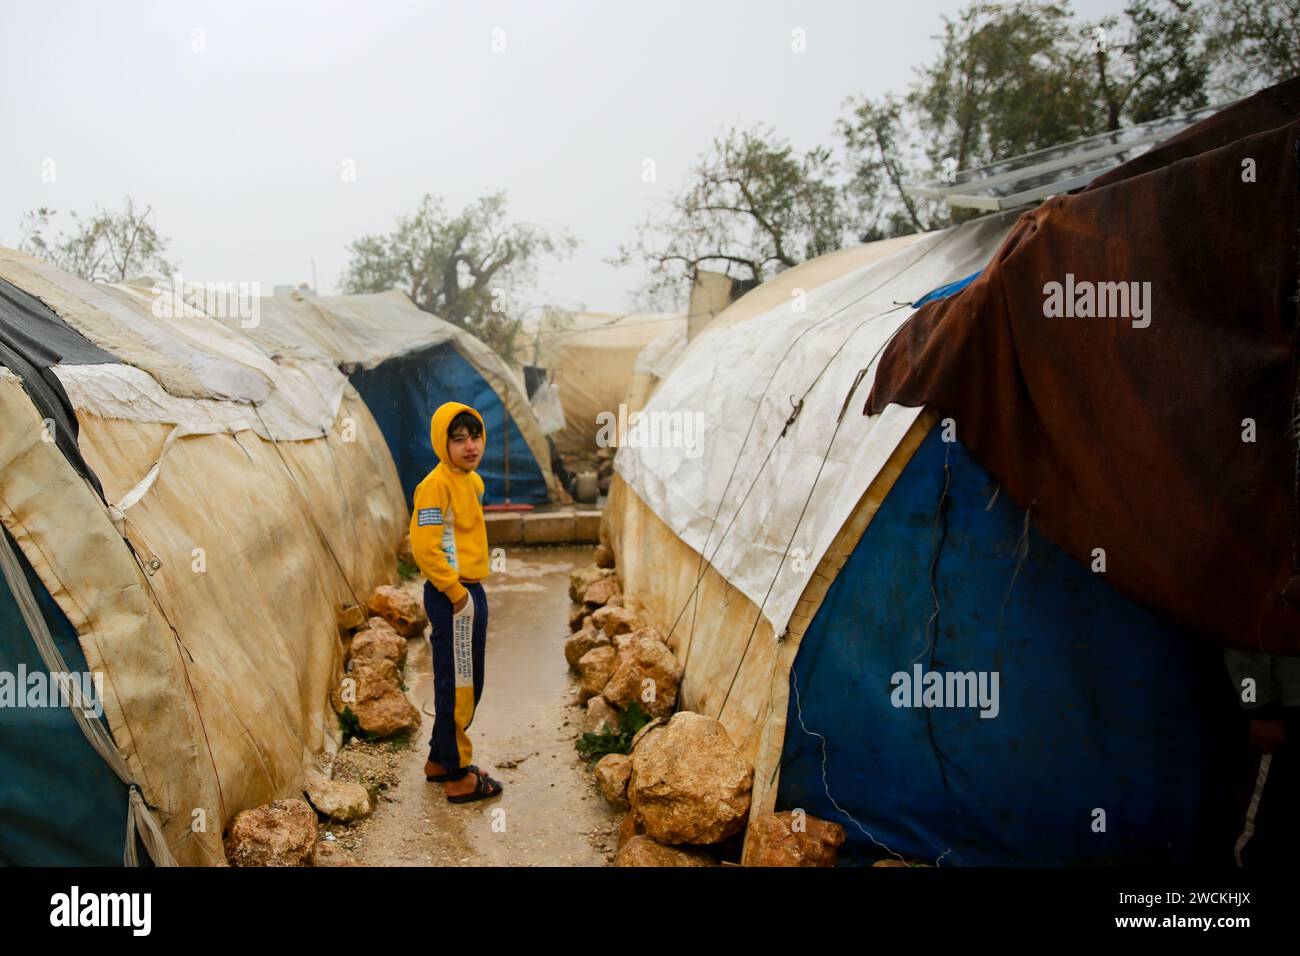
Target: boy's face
(464, 450)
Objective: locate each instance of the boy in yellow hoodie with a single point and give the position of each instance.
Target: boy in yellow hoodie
(449, 543)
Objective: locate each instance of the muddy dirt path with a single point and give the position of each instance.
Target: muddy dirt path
(523, 734)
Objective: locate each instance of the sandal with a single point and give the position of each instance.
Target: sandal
(442, 777)
(484, 789)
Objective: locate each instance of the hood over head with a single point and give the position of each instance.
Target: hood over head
(441, 419)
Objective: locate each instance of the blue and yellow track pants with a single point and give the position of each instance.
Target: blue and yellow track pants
(457, 643)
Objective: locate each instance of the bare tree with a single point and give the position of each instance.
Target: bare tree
(750, 207)
(1256, 42)
(1151, 63)
(466, 269)
(1011, 78)
(107, 247)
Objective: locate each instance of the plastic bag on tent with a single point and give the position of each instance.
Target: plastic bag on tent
(546, 403)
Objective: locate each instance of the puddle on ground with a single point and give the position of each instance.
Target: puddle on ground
(551, 813)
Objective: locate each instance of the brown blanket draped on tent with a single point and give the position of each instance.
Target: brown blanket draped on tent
(1169, 446)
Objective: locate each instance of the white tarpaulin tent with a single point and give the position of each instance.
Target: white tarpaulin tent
(358, 334)
(743, 534)
(238, 519)
(592, 358)
(660, 356)
(784, 467)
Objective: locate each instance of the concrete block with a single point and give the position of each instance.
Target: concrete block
(556, 527)
(504, 527)
(587, 530)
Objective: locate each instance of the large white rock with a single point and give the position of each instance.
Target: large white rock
(378, 639)
(577, 645)
(282, 833)
(338, 799)
(789, 838)
(600, 592)
(595, 668)
(689, 782)
(377, 699)
(399, 609)
(584, 578)
(643, 851)
(612, 774)
(648, 673)
(616, 620)
(600, 716)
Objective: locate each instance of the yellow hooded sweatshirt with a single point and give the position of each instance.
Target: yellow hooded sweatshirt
(448, 535)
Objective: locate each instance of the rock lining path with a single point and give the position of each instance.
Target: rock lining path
(551, 813)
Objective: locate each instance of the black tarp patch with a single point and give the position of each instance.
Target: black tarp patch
(33, 339)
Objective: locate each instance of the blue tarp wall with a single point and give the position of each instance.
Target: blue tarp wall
(1101, 704)
(403, 393)
(60, 804)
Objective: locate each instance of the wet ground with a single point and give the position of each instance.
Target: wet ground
(523, 734)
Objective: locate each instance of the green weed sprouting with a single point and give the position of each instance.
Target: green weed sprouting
(592, 746)
(351, 726)
(402, 740)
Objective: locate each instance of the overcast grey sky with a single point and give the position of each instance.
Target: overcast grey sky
(239, 146)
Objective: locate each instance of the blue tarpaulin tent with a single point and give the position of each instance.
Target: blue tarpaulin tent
(402, 392)
(405, 363)
(1101, 706)
(841, 550)
(1059, 774)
